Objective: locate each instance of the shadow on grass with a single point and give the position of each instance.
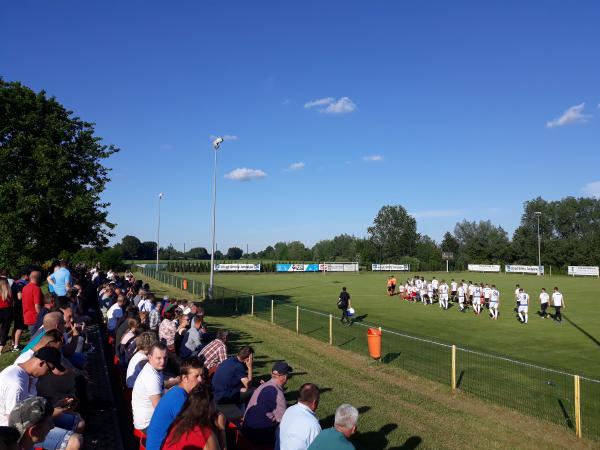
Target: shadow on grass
(410, 444)
(292, 396)
(389, 357)
(376, 440)
(359, 318)
(585, 333)
(568, 420)
(459, 380)
(327, 422)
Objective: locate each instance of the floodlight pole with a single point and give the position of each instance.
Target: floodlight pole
(216, 144)
(539, 239)
(160, 196)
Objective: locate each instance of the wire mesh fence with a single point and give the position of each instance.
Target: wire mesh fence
(544, 393)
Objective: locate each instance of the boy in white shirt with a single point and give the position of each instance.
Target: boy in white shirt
(544, 300)
(558, 302)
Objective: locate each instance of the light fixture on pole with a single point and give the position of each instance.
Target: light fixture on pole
(539, 239)
(160, 196)
(216, 144)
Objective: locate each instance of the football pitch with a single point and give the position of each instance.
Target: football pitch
(573, 346)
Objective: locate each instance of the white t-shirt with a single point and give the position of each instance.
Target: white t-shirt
(149, 382)
(430, 289)
(544, 297)
(418, 283)
(299, 427)
(495, 295)
(557, 299)
(453, 286)
(523, 299)
(145, 305)
(135, 366)
(517, 293)
(443, 288)
(476, 291)
(24, 357)
(114, 313)
(435, 283)
(461, 292)
(487, 291)
(15, 386)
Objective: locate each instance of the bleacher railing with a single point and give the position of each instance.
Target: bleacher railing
(560, 397)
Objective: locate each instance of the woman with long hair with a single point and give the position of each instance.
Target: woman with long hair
(5, 311)
(194, 426)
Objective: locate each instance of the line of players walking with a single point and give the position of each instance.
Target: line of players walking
(476, 295)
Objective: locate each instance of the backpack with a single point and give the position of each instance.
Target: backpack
(340, 304)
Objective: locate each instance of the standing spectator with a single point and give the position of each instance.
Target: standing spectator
(171, 403)
(148, 387)
(192, 342)
(144, 342)
(32, 418)
(344, 304)
(194, 426)
(266, 407)
(299, 425)
(60, 280)
(5, 311)
(154, 315)
(558, 302)
(544, 299)
(32, 300)
(215, 352)
(17, 297)
(336, 438)
(232, 379)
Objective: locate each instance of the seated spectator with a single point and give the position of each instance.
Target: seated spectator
(167, 329)
(194, 427)
(123, 326)
(266, 407)
(114, 313)
(144, 342)
(47, 306)
(171, 403)
(132, 324)
(182, 329)
(126, 351)
(232, 379)
(18, 383)
(146, 303)
(336, 437)
(32, 418)
(192, 341)
(215, 352)
(299, 425)
(52, 321)
(52, 338)
(148, 387)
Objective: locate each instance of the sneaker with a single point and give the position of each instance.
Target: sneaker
(16, 349)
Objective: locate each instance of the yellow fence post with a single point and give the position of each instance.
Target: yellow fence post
(330, 329)
(577, 406)
(272, 310)
(454, 367)
(297, 318)
(252, 307)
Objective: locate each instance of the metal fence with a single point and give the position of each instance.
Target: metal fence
(566, 399)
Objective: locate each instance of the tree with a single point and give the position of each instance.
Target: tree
(198, 253)
(147, 250)
(130, 245)
(394, 233)
(234, 253)
(450, 244)
(51, 178)
(481, 243)
(428, 252)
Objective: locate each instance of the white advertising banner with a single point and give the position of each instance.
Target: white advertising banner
(484, 267)
(339, 267)
(591, 271)
(515, 268)
(237, 267)
(390, 267)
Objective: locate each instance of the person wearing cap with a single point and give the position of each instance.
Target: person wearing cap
(300, 425)
(266, 407)
(18, 383)
(32, 419)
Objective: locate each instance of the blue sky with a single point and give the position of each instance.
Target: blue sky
(454, 110)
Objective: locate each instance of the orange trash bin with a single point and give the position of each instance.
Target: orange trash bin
(185, 284)
(374, 341)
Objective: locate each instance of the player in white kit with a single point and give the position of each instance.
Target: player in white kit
(477, 291)
(453, 289)
(443, 290)
(461, 297)
(558, 302)
(523, 308)
(544, 300)
(487, 292)
(494, 302)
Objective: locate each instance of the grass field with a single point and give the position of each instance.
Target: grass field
(574, 345)
(399, 410)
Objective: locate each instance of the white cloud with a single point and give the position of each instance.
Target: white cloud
(319, 102)
(434, 213)
(343, 106)
(226, 137)
(373, 158)
(332, 106)
(572, 115)
(296, 166)
(245, 174)
(592, 189)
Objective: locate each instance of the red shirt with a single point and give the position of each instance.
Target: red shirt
(31, 296)
(4, 303)
(193, 439)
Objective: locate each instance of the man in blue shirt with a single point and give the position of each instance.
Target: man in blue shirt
(60, 280)
(171, 403)
(192, 341)
(231, 382)
(336, 438)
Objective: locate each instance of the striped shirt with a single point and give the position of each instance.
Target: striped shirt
(214, 353)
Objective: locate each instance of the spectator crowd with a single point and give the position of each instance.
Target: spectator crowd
(183, 385)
